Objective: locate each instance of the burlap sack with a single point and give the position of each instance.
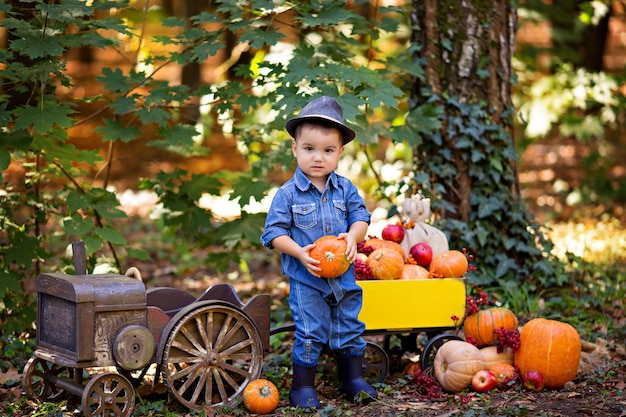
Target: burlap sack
(417, 209)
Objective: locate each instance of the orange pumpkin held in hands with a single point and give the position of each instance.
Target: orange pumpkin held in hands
(331, 252)
(552, 348)
(260, 396)
(449, 264)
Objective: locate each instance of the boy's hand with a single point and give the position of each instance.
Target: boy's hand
(351, 246)
(309, 263)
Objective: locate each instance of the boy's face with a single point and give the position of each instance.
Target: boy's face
(317, 150)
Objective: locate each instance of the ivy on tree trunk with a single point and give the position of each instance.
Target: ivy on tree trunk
(468, 165)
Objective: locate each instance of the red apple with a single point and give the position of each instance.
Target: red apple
(422, 254)
(393, 232)
(533, 380)
(484, 381)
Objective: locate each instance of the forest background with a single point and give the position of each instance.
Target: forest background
(112, 107)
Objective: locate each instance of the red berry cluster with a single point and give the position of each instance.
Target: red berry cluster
(507, 339)
(427, 386)
(362, 271)
(470, 267)
(472, 304)
(361, 247)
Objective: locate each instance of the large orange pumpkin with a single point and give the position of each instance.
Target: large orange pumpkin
(331, 252)
(386, 264)
(449, 264)
(550, 347)
(480, 326)
(260, 396)
(455, 364)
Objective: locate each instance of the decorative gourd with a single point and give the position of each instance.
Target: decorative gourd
(455, 364)
(386, 264)
(505, 374)
(492, 357)
(260, 396)
(449, 264)
(376, 243)
(410, 271)
(480, 326)
(550, 347)
(331, 252)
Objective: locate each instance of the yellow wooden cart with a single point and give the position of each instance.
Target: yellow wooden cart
(406, 308)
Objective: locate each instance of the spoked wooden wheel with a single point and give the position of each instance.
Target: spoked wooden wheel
(210, 355)
(427, 358)
(108, 395)
(38, 376)
(375, 363)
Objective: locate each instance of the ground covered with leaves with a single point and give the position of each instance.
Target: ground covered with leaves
(598, 390)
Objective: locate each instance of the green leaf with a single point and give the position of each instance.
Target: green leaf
(154, 114)
(140, 254)
(114, 130)
(77, 224)
(110, 234)
(65, 153)
(39, 47)
(5, 160)
(43, 118)
(249, 190)
(260, 38)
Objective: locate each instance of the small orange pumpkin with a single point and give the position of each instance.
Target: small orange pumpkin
(331, 252)
(260, 396)
(448, 264)
(480, 326)
(505, 373)
(410, 271)
(376, 243)
(386, 264)
(552, 348)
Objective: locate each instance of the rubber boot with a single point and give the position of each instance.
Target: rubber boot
(351, 382)
(302, 393)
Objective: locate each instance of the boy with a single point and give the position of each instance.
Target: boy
(316, 202)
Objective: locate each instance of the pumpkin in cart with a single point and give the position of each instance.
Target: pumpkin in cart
(260, 396)
(374, 243)
(386, 264)
(331, 252)
(480, 325)
(410, 271)
(456, 363)
(550, 347)
(449, 264)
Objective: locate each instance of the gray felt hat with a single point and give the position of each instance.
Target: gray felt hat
(325, 110)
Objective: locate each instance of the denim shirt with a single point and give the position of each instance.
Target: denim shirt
(302, 212)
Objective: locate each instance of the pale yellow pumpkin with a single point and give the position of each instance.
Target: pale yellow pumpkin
(455, 364)
(492, 357)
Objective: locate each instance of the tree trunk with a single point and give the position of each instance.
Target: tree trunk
(468, 46)
(468, 164)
